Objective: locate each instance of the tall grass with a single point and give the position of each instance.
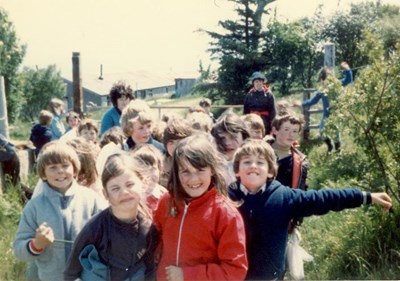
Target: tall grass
(10, 211)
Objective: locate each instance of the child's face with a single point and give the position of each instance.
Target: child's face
(89, 135)
(258, 84)
(253, 171)
(206, 108)
(124, 192)
(194, 182)
(171, 145)
(141, 132)
(230, 143)
(287, 134)
(59, 176)
(73, 122)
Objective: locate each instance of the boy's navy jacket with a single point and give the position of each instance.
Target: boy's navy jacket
(267, 214)
(40, 135)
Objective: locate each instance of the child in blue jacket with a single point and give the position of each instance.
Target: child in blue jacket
(268, 207)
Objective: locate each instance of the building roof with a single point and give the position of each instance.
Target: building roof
(136, 79)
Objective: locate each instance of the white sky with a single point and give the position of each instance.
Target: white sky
(131, 35)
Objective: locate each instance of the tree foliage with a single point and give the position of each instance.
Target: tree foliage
(11, 56)
(39, 87)
(370, 111)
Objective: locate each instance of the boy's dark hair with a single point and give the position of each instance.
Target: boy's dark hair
(115, 135)
(177, 129)
(45, 117)
(256, 147)
(88, 124)
(292, 118)
(229, 123)
(324, 73)
(120, 89)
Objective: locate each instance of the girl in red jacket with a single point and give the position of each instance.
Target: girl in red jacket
(203, 235)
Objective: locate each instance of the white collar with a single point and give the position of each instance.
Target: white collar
(247, 192)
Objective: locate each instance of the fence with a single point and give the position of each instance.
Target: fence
(307, 112)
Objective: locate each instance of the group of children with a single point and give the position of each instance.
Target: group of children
(226, 203)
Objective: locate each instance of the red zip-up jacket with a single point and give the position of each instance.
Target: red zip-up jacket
(206, 238)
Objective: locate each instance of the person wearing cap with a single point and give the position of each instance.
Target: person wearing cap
(260, 100)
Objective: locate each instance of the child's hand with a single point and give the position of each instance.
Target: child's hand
(174, 273)
(44, 236)
(382, 198)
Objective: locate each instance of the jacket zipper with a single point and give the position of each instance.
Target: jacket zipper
(180, 234)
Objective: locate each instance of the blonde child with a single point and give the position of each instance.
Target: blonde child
(202, 234)
(268, 206)
(117, 244)
(206, 103)
(52, 220)
(137, 124)
(255, 125)
(149, 165)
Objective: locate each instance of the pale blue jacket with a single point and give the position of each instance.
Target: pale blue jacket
(66, 214)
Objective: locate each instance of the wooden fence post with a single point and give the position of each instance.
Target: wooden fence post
(77, 84)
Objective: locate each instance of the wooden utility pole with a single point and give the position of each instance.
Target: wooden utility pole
(77, 84)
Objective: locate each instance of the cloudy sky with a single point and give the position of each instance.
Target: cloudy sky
(131, 35)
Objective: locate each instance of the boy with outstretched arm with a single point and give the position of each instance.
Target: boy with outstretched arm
(268, 207)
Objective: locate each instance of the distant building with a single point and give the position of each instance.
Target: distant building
(145, 85)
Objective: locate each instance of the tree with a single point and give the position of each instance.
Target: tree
(370, 111)
(11, 56)
(39, 87)
(238, 50)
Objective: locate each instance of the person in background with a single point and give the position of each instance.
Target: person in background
(41, 133)
(149, 164)
(260, 100)
(115, 135)
(9, 160)
(73, 120)
(347, 74)
(200, 121)
(57, 126)
(88, 129)
(119, 243)
(177, 129)
(202, 233)
(137, 123)
(120, 95)
(229, 133)
(267, 207)
(51, 221)
(205, 103)
(255, 125)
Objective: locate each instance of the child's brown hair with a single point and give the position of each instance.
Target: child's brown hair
(116, 165)
(177, 129)
(57, 152)
(199, 152)
(256, 147)
(292, 118)
(88, 124)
